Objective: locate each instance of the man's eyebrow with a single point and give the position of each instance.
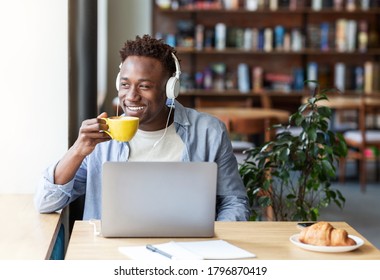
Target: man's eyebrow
(140, 80)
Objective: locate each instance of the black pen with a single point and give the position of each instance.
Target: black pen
(156, 250)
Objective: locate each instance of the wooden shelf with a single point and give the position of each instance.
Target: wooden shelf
(267, 11)
(194, 60)
(236, 51)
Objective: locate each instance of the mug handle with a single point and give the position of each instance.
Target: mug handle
(109, 133)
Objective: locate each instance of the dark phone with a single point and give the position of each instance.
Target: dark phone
(305, 224)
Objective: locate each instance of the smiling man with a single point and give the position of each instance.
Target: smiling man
(167, 132)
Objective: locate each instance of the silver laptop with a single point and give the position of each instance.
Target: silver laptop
(158, 199)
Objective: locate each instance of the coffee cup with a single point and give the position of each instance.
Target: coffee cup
(122, 128)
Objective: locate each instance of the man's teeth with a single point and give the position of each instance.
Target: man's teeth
(135, 108)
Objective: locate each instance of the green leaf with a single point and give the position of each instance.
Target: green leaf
(324, 111)
(312, 134)
(328, 168)
(264, 201)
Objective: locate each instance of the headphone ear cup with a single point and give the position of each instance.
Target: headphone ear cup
(118, 81)
(172, 88)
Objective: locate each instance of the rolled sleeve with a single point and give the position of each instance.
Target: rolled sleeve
(232, 208)
(50, 197)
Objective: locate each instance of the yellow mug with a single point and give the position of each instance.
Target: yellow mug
(122, 128)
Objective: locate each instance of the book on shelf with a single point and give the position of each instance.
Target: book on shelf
(209, 38)
(220, 36)
(350, 5)
(199, 76)
(368, 77)
(338, 5)
(231, 36)
(239, 39)
(257, 78)
(261, 4)
(327, 4)
(296, 39)
(255, 39)
(316, 5)
(171, 40)
(185, 33)
(248, 39)
(268, 39)
(199, 36)
(365, 4)
(283, 4)
(261, 40)
(340, 35)
(359, 78)
(376, 77)
(231, 4)
(363, 36)
(340, 76)
(204, 5)
(325, 78)
(296, 4)
(325, 34)
(314, 36)
(371, 77)
(312, 74)
(287, 42)
(208, 81)
(235, 37)
(219, 75)
(163, 4)
(243, 78)
(252, 5)
(351, 31)
(273, 5)
(279, 81)
(279, 34)
(298, 78)
(230, 82)
(350, 77)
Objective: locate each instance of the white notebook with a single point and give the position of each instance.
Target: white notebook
(197, 250)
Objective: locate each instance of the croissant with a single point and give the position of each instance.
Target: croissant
(324, 234)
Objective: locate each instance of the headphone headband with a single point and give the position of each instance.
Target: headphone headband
(177, 67)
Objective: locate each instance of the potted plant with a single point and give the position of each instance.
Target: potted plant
(291, 175)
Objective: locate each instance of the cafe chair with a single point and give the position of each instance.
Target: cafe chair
(344, 112)
(364, 143)
(240, 137)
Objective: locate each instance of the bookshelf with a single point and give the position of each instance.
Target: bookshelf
(271, 49)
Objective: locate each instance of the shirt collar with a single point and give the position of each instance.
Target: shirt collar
(180, 116)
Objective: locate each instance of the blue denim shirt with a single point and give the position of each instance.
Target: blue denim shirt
(205, 139)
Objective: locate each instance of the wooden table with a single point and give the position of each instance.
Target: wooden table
(26, 234)
(249, 120)
(268, 240)
(348, 102)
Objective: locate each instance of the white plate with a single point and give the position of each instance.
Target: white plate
(327, 249)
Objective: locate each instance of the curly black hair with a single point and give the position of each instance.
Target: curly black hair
(150, 47)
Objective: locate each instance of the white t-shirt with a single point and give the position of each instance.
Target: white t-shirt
(155, 146)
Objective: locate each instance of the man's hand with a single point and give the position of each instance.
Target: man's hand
(90, 134)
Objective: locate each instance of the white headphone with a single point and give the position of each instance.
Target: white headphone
(172, 85)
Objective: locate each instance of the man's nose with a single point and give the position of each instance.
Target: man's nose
(132, 93)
